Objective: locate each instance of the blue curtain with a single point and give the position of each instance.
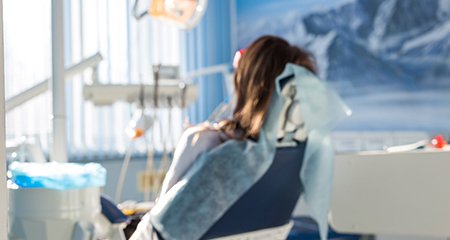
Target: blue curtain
(208, 44)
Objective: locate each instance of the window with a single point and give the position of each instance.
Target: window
(129, 49)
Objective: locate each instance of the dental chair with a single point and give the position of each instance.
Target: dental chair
(268, 204)
(264, 211)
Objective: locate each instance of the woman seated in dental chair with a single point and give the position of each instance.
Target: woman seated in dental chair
(255, 83)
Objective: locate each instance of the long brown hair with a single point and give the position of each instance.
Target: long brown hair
(254, 83)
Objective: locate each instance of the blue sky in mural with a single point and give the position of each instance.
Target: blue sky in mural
(388, 59)
(248, 9)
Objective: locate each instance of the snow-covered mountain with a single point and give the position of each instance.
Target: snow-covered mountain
(367, 43)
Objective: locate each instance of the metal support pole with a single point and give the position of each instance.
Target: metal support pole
(59, 150)
(3, 190)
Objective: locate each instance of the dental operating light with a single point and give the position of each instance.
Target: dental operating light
(186, 14)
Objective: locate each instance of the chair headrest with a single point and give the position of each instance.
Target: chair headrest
(291, 126)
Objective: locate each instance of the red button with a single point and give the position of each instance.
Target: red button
(438, 141)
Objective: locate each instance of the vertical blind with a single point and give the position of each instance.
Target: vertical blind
(27, 62)
(209, 44)
(129, 49)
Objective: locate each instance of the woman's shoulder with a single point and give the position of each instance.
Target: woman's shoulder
(204, 132)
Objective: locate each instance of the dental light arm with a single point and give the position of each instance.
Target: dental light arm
(166, 86)
(223, 69)
(107, 94)
(42, 87)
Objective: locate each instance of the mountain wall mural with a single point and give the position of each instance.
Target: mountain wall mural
(389, 59)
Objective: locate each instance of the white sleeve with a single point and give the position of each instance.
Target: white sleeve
(193, 142)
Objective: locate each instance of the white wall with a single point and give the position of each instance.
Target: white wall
(3, 195)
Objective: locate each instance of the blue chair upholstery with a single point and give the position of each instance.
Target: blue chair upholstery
(270, 202)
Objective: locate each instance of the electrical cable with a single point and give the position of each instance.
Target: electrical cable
(171, 140)
(123, 173)
(149, 168)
